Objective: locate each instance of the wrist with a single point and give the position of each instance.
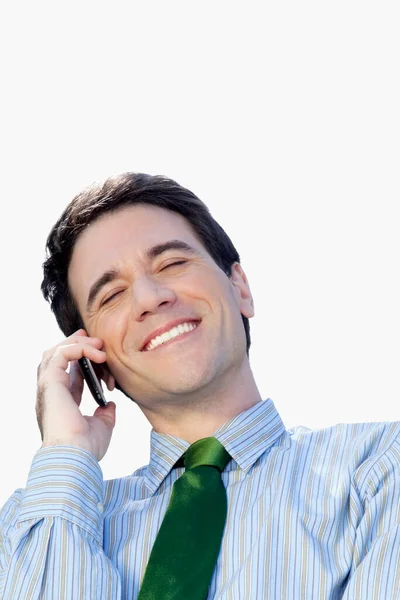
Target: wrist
(72, 442)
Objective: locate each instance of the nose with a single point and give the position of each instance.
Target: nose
(149, 296)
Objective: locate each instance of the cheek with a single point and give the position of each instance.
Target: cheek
(110, 328)
(113, 333)
(212, 285)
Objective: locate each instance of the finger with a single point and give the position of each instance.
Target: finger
(63, 355)
(81, 336)
(109, 380)
(49, 354)
(76, 382)
(79, 331)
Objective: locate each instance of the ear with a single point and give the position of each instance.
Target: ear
(242, 288)
(107, 377)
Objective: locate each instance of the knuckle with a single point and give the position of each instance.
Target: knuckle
(48, 357)
(57, 351)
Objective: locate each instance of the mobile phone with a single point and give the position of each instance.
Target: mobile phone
(92, 381)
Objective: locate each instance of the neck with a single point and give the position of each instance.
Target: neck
(202, 413)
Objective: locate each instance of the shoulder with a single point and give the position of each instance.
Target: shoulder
(373, 436)
(9, 512)
(368, 452)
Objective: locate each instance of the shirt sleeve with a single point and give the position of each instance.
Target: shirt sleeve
(375, 573)
(51, 533)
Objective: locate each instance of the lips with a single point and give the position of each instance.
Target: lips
(167, 327)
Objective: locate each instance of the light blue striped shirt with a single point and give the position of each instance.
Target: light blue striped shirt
(311, 515)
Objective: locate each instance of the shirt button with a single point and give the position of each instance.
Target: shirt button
(100, 507)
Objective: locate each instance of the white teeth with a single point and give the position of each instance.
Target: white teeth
(168, 335)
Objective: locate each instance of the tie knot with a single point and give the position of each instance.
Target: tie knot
(206, 452)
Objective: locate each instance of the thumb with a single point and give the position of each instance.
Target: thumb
(107, 414)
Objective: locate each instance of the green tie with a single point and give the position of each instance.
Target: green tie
(186, 548)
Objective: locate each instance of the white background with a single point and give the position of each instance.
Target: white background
(283, 117)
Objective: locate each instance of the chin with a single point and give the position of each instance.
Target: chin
(170, 390)
(196, 380)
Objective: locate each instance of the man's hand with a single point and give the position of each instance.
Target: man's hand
(59, 395)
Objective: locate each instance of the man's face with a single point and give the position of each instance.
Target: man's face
(140, 275)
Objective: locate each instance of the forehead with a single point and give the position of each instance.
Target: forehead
(127, 232)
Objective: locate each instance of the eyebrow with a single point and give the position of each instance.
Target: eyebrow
(151, 254)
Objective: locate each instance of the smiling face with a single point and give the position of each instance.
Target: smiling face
(169, 317)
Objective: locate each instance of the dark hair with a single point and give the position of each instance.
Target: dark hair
(115, 193)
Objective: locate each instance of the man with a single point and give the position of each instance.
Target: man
(144, 283)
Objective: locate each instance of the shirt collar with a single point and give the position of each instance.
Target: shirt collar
(245, 437)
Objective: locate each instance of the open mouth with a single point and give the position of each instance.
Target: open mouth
(179, 331)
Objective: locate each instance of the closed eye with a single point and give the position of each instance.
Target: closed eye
(111, 297)
(173, 264)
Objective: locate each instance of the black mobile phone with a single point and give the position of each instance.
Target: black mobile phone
(92, 380)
